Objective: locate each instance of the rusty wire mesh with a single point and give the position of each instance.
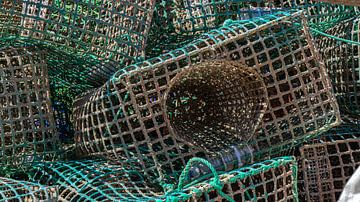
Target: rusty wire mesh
(326, 164)
(27, 128)
(126, 118)
(14, 190)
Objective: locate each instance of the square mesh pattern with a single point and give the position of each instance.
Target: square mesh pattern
(13, 190)
(343, 65)
(272, 180)
(107, 29)
(26, 121)
(326, 164)
(94, 180)
(125, 119)
(97, 180)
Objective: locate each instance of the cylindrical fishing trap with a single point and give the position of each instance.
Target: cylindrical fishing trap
(126, 118)
(213, 104)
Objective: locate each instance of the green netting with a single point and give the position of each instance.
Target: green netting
(14, 190)
(126, 118)
(327, 163)
(99, 180)
(27, 125)
(342, 61)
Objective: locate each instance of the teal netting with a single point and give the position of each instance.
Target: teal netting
(125, 118)
(99, 180)
(14, 190)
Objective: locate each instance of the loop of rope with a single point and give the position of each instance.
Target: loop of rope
(215, 183)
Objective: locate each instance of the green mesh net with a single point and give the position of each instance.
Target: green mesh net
(327, 163)
(143, 84)
(14, 190)
(96, 180)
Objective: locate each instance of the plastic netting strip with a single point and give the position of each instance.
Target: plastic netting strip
(14, 190)
(125, 119)
(27, 125)
(326, 164)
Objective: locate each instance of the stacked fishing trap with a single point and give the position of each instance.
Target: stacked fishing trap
(196, 100)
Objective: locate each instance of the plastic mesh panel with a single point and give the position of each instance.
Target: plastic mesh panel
(125, 118)
(272, 180)
(342, 62)
(326, 164)
(26, 121)
(344, 2)
(13, 190)
(108, 29)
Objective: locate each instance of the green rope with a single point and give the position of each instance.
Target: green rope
(335, 37)
(215, 183)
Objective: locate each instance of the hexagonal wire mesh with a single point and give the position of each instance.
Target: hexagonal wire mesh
(26, 120)
(125, 119)
(14, 190)
(326, 164)
(95, 180)
(343, 65)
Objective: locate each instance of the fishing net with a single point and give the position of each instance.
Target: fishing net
(326, 164)
(340, 51)
(26, 120)
(97, 179)
(126, 118)
(14, 190)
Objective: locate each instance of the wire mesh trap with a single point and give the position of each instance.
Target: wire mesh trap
(14, 190)
(342, 62)
(125, 119)
(326, 164)
(26, 120)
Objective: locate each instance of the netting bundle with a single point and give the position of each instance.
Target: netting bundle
(14, 190)
(94, 180)
(98, 180)
(126, 118)
(326, 164)
(26, 120)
